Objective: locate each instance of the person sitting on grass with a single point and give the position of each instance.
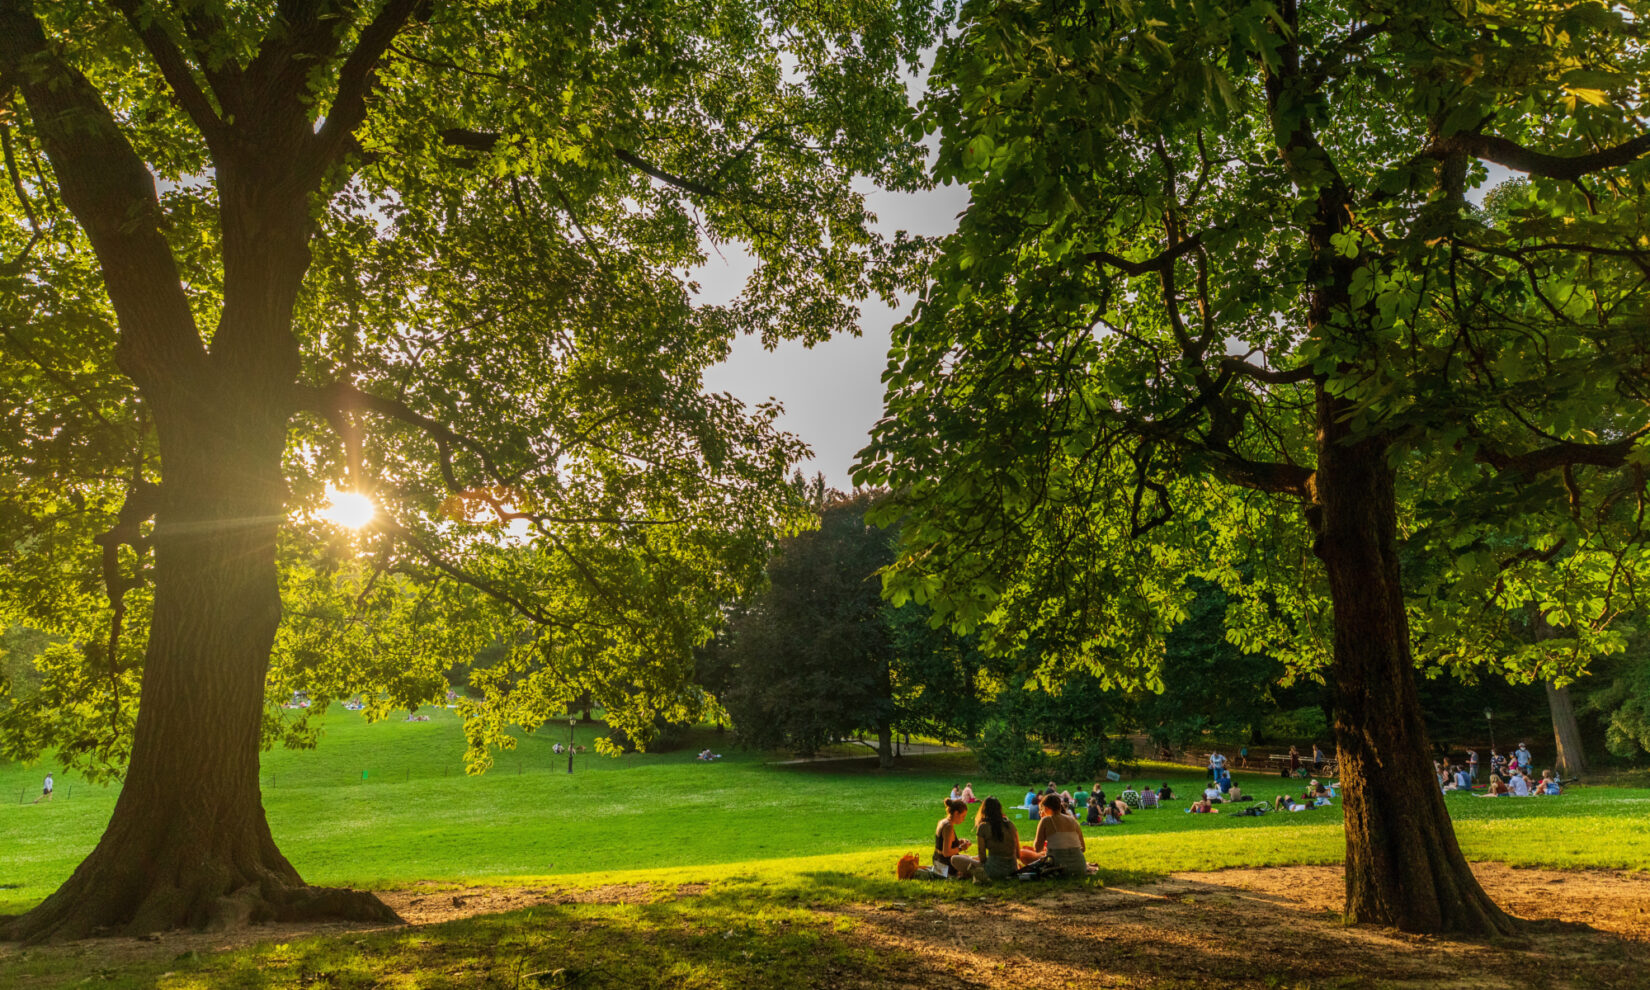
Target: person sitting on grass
(1165, 793)
(1236, 795)
(948, 847)
(1131, 796)
(1548, 785)
(1001, 854)
(1080, 797)
(1069, 801)
(1203, 806)
(1212, 794)
(1031, 803)
(1060, 838)
(968, 794)
(1148, 798)
(1519, 785)
(956, 793)
(1095, 812)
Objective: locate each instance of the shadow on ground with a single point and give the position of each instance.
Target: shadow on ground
(1273, 927)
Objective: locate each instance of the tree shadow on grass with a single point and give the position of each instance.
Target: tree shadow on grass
(1216, 931)
(840, 929)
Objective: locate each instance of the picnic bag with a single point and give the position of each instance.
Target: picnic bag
(907, 866)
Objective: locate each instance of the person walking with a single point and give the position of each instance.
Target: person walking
(1472, 765)
(45, 791)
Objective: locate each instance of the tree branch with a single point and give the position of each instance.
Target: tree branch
(175, 68)
(356, 79)
(1508, 154)
(341, 397)
(109, 190)
(1161, 262)
(1560, 455)
(669, 178)
(1243, 369)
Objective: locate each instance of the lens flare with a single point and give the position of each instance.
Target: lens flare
(351, 510)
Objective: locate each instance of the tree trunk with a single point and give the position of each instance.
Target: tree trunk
(885, 746)
(1569, 758)
(188, 843)
(1403, 866)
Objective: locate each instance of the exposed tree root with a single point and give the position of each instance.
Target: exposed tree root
(62, 918)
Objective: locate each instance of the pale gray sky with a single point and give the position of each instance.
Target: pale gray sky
(832, 392)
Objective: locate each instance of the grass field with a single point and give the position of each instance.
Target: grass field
(388, 804)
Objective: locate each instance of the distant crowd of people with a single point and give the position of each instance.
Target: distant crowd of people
(1510, 776)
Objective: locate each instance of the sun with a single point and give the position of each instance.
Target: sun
(351, 510)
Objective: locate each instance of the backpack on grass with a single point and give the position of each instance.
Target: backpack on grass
(907, 866)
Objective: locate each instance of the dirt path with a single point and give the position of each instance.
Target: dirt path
(1271, 927)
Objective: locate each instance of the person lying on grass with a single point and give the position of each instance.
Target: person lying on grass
(1203, 806)
(948, 846)
(1060, 837)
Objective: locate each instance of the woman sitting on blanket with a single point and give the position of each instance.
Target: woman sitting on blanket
(948, 848)
(968, 794)
(1061, 837)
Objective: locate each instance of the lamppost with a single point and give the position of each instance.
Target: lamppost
(1489, 716)
(571, 721)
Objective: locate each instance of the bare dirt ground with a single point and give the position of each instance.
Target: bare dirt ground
(1275, 927)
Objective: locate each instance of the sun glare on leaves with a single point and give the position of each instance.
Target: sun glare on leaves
(351, 510)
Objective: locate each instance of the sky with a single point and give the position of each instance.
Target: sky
(832, 392)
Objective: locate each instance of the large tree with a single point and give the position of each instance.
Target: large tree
(810, 659)
(432, 254)
(1222, 303)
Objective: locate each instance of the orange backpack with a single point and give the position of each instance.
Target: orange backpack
(907, 867)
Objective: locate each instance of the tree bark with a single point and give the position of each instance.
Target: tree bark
(1403, 865)
(1569, 758)
(885, 746)
(188, 843)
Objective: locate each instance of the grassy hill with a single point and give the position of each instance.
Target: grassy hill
(388, 804)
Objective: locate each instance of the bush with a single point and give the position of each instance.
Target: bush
(1297, 723)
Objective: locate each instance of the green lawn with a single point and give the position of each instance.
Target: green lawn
(388, 804)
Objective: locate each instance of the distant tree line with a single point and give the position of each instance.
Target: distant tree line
(820, 655)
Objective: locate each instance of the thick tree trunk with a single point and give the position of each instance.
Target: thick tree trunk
(1569, 758)
(1403, 866)
(188, 844)
(885, 746)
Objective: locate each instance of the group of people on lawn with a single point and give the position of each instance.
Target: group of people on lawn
(1510, 776)
(1058, 843)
